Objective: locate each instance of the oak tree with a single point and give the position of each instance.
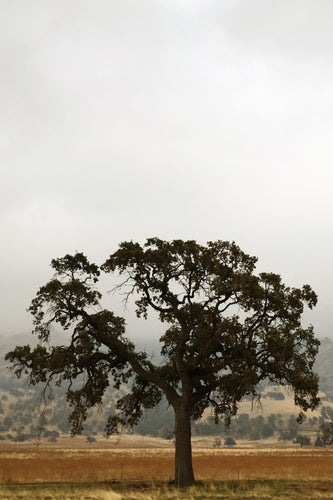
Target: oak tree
(226, 330)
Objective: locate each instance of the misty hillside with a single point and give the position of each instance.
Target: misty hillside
(19, 420)
(324, 367)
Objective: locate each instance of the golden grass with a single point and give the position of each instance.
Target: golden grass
(57, 473)
(243, 490)
(36, 465)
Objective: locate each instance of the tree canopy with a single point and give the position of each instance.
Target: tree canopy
(227, 329)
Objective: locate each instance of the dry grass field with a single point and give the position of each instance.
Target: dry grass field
(127, 470)
(28, 465)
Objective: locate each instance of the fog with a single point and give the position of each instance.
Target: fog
(192, 119)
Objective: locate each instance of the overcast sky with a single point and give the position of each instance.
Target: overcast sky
(192, 119)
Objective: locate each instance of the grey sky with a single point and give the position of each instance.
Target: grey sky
(125, 119)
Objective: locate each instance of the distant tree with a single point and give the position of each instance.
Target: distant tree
(318, 442)
(52, 439)
(51, 436)
(267, 430)
(256, 427)
(272, 420)
(303, 440)
(227, 330)
(325, 433)
(217, 443)
(20, 436)
(284, 435)
(243, 425)
(8, 423)
(229, 441)
(290, 430)
(293, 426)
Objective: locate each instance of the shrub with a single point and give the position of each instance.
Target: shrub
(303, 440)
(318, 442)
(229, 441)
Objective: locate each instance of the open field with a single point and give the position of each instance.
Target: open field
(118, 471)
(31, 465)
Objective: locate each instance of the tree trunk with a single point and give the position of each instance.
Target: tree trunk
(183, 455)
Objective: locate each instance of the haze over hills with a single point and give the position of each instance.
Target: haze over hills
(276, 415)
(323, 365)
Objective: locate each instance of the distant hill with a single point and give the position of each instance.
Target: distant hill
(324, 367)
(19, 422)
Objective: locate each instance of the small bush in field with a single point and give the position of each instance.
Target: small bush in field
(229, 441)
(303, 440)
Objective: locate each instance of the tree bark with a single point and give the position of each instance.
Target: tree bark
(183, 455)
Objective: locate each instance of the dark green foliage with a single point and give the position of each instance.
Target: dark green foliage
(227, 330)
(193, 288)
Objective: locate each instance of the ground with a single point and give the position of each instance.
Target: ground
(143, 467)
